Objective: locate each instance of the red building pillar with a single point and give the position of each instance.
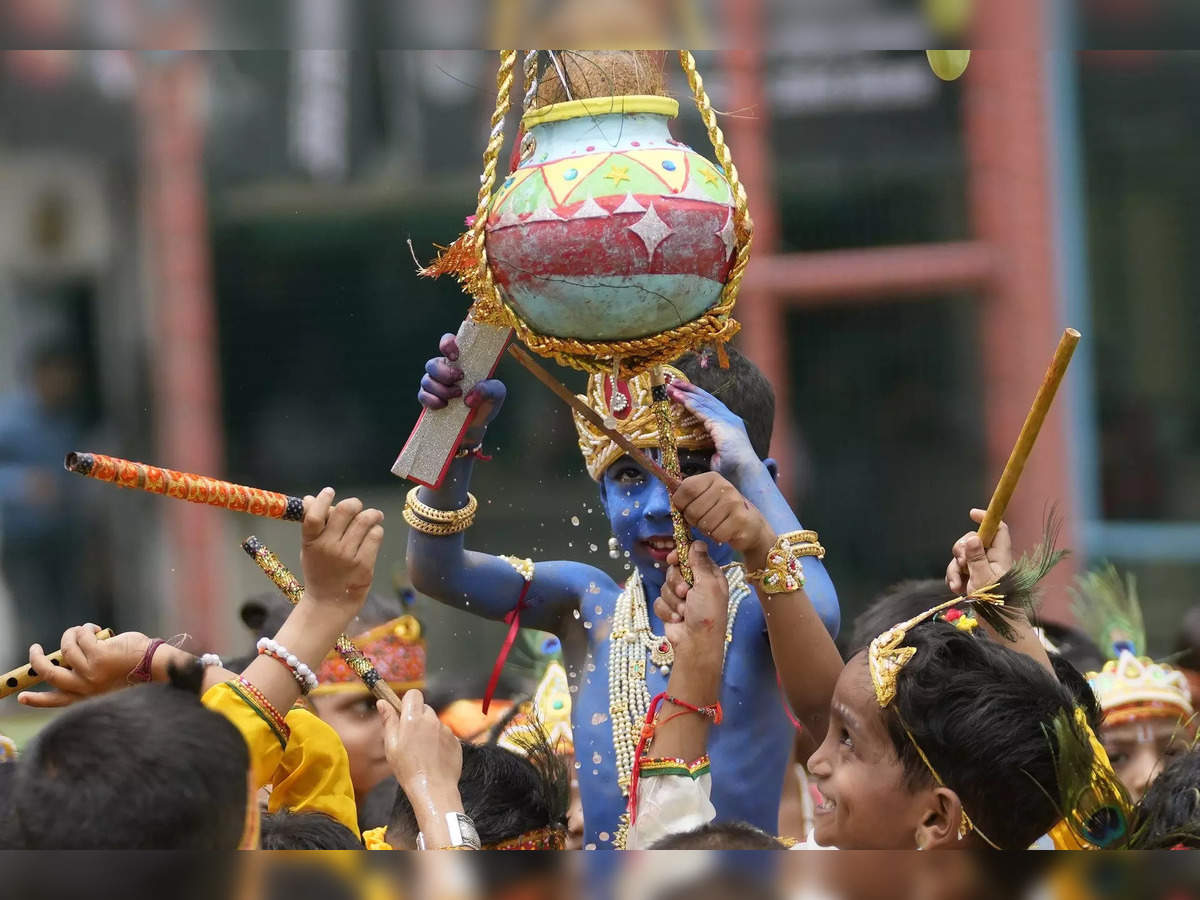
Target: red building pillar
(187, 417)
(1005, 109)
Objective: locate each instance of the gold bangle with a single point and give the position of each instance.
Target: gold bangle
(783, 572)
(436, 529)
(442, 516)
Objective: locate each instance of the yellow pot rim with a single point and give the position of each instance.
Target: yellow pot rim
(601, 106)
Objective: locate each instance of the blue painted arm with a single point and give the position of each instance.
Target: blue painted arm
(486, 585)
(736, 460)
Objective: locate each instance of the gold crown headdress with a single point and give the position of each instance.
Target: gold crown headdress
(629, 407)
(397, 650)
(1130, 686)
(547, 717)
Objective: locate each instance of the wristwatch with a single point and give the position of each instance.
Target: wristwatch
(463, 835)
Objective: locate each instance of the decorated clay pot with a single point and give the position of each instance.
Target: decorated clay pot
(609, 229)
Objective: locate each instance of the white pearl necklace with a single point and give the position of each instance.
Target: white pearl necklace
(630, 641)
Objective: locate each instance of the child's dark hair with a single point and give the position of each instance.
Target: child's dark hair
(147, 768)
(741, 387)
(983, 716)
(721, 836)
(504, 794)
(1169, 813)
(898, 603)
(305, 831)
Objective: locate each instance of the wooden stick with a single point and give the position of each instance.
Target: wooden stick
(291, 588)
(23, 677)
(1029, 433)
(640, 457)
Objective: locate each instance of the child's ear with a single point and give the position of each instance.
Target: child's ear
(772, 467)
(939, 829)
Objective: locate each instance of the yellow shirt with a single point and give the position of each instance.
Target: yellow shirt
(310, 774)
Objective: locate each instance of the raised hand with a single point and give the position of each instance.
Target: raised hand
(694, 616)
(422, 751)
(711, 503)
(734, 452)
(441, 383)
(973, 567)
(339, 546)
(95, 666)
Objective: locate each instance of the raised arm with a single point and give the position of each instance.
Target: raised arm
(736, 460)
(805, 656)
(441, 566)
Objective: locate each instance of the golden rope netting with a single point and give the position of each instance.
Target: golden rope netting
(469, 261)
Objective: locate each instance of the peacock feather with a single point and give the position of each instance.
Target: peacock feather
(1093, 803)
(1106, 607)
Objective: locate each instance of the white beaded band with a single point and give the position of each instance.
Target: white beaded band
(302, 673)
(211, 659)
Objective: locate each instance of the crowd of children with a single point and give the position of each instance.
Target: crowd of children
(679, 711)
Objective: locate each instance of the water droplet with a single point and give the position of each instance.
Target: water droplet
(574, 689)
(603, 836)
(575, 521)
(599, 718)
(595, 771)
(626, 554)
(591, 667)
(597, 758)
(587, 625)
(575, 613)
(637, 504)
(626, 567)
(578, 764)
(625, 511)
(588, 846)
(593, 548)
(599, 609)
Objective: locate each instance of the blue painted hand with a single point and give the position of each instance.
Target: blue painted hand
(733, 451)
(441, 383)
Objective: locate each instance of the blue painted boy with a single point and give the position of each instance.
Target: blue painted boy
(611, 636)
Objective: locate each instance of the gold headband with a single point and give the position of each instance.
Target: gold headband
(886, 658)
(628, 405)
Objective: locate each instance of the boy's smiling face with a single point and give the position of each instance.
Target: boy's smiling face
(639, 509)
(867, 804)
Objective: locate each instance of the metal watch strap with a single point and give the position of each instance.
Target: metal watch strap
(461, 830)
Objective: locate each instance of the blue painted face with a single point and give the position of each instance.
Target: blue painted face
(639, 510)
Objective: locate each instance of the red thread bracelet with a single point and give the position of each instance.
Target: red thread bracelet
(713, 712)
(141, 672)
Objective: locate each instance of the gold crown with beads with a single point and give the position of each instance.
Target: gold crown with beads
(1136, 687)
(628, 407)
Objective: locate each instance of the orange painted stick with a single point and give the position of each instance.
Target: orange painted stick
(185, 486)
(1029, 432)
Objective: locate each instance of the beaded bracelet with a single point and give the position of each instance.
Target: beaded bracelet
(257, 700)
(302, 673)
(783, 573)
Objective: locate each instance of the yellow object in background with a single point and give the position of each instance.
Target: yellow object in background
(948, 64)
